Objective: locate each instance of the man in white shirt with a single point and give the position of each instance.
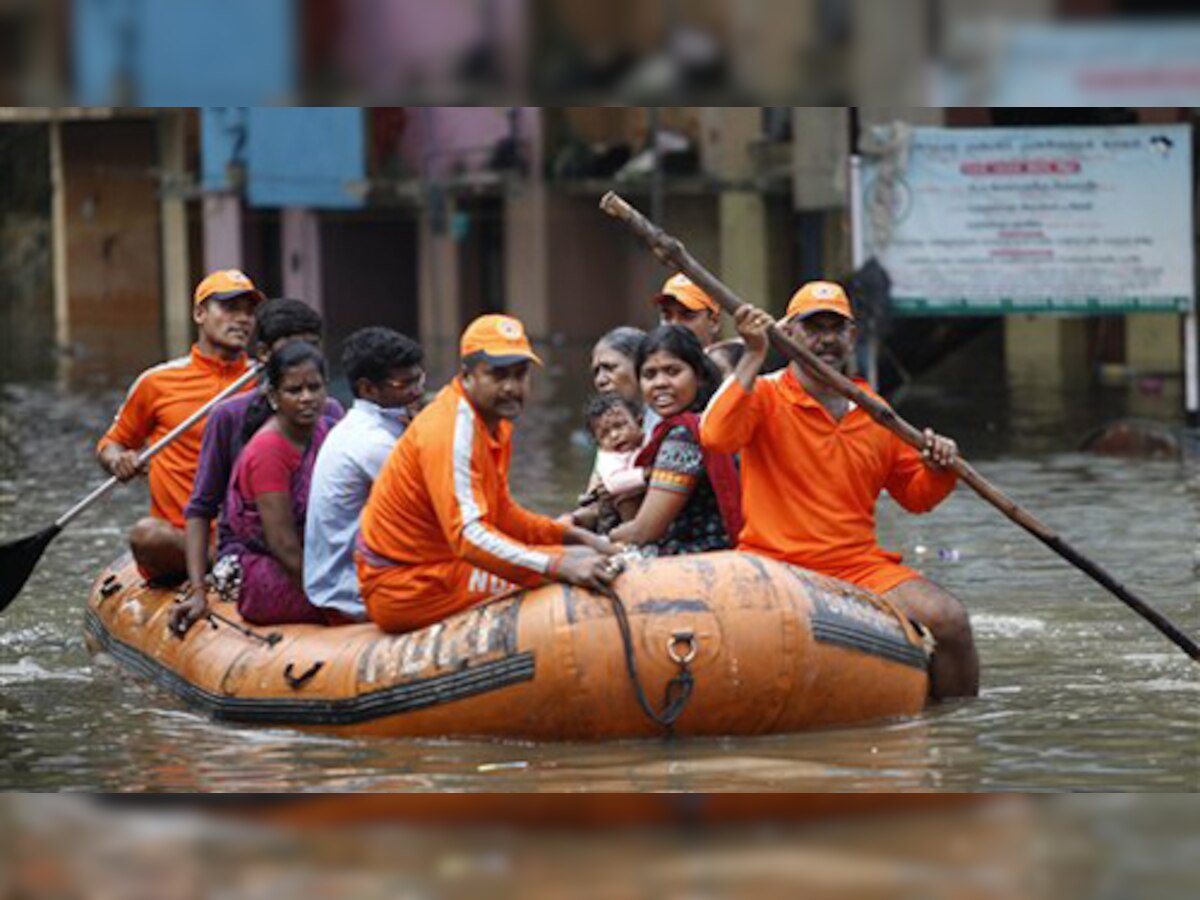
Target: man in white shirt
(386, 373)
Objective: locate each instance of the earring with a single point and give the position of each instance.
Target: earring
(274, 405)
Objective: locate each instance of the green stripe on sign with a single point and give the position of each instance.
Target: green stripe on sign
(1000, 306)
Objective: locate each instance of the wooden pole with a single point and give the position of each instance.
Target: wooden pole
(671, 252)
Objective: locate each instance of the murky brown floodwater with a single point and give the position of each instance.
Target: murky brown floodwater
(1078, 693)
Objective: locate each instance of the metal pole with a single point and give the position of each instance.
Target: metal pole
(1191, 369)
(858, 256)
(1191, 353)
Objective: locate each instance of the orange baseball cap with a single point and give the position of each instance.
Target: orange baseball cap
(225, 284)
(685, 292)
(501, 340)
(820, 296)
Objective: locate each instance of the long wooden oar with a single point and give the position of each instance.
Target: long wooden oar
(671, 252)
(18, 558)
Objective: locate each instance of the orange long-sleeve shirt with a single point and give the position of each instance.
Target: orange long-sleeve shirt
(159, 400)
(442, 499)
(810, 483)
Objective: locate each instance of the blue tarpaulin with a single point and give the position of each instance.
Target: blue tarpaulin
(184, 52)
(287, 156)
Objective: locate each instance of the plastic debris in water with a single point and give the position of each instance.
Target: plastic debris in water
(949, 554)
(500, 766)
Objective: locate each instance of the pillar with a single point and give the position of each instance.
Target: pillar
(222, 231)
(1047, 352)
(526, 262)
(743, 230)
(438, 298)
(526, 235)
(301, 249)
(1153, 343)
(58, 228)
(176, 268)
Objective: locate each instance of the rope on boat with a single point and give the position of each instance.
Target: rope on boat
(678, 690)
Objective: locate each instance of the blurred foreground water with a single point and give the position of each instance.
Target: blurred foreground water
(1108, 847)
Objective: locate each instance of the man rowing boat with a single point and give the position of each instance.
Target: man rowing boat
(814, 464)
(164, 396)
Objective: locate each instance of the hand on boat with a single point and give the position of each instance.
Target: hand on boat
(606, 547)
(188, 610)
(581, 536)
(939, 452)
(586, 568)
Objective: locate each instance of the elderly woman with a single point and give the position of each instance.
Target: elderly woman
(613, 360)
(614, 374)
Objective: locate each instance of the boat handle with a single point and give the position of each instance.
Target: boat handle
(298, 681)
(688, 640)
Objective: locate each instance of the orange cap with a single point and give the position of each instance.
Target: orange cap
(225, 284)
(684, 291)
(501, 339)
(820, 296)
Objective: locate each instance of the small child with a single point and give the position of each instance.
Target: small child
(617, 484)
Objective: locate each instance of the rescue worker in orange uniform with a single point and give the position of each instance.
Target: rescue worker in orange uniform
(813, 465)
(160, 399)
(682, 302)
(440, 532)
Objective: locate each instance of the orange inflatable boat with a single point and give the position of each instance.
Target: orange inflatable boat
(717, 644)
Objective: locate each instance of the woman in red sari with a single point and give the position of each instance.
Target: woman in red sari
(268, 491)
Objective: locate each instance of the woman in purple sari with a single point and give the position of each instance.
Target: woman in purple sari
(268, 491)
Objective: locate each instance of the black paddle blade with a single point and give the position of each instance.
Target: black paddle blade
(17, 561)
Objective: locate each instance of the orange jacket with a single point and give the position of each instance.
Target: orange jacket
(442, 498)
(161, 398)
(809, 483)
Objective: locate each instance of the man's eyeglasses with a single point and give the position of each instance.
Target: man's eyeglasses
(405, 384)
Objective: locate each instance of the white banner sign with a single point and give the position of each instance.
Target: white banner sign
(1069, 220)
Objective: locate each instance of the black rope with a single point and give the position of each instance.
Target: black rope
(270, 639)
(678, 690)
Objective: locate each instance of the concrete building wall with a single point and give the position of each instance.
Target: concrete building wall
(112, 320)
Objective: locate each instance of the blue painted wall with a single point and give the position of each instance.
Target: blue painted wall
(289, 156)
(184, 52)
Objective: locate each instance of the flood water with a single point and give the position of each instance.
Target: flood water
(1078, 693)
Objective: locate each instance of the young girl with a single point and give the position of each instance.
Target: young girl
(268, 492)
(693, 504)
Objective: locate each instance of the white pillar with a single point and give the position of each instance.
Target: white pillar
(1191, 370)
(58, 219)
